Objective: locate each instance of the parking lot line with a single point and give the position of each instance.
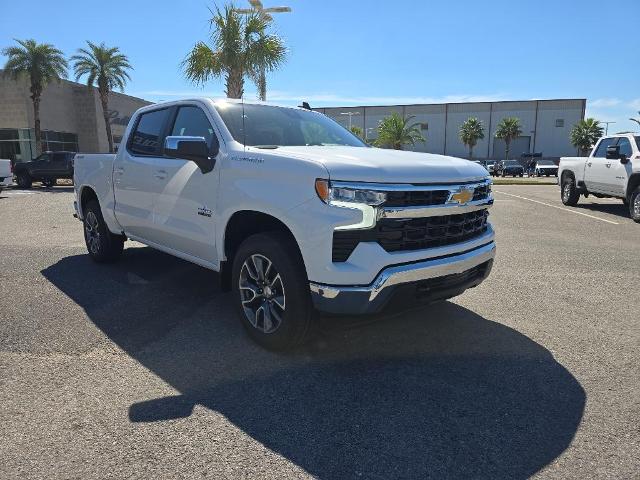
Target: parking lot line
(559, 208)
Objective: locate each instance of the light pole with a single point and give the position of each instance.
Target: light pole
(606, 128)
(257, 7)
(351, 114)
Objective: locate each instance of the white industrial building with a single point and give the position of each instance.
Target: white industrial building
(546, 125)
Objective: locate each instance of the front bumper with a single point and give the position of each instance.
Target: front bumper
(423, 281)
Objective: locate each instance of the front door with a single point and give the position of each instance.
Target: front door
(619, 173)
(596, 171)
(184, 212)
(135, 179)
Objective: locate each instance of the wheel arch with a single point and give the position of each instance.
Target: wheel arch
(632, 184)
(87, 194)
(241, 225)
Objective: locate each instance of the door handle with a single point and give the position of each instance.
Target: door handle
(589, 164)
(119, 171)
(608, 165)
(160, 174)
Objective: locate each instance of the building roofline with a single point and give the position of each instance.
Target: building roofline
(584, 100)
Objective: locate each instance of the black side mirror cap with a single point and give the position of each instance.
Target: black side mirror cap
(194, 149)
(624, 159)
(613, 152)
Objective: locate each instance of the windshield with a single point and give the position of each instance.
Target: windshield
(546, 162)
(511, 163)
(267, 126)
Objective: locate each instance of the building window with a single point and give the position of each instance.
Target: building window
(58, 141)
(559, 122)
(424, 126)
(16, 144)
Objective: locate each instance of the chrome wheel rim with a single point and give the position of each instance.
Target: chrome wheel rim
(262, 293)
(91, 232)
(636, 206)
(567, 190)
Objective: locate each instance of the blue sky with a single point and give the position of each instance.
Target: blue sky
(374, 52)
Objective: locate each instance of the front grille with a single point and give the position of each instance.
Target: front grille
(426, 198)
(395, 235)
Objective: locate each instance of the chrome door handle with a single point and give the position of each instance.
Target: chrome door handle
(589, 164)
(608, 165)
(160, 174)
(118, 171)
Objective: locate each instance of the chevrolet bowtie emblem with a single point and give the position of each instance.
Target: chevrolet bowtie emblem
(462, 196)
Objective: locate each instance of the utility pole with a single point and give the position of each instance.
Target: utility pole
(265, 13)
(606, 128)
(351, 114)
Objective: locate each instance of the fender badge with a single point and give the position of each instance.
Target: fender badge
(204, 211)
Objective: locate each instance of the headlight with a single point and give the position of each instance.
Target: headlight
(335, 195)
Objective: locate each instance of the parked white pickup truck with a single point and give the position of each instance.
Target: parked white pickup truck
(611, 170)
(291, 208)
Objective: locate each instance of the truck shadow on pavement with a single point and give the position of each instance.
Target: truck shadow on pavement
(436, 392)
(612, 208)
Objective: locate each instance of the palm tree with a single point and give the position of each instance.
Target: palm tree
(105, 67)
(637, 120)
(42, 63)
(471, 131)
(585, 134)
(395, 131)
(240, 46)
(508, 129)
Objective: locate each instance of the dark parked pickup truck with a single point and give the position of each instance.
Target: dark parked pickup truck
(47, 168)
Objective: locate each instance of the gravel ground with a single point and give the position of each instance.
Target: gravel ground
(141, 370)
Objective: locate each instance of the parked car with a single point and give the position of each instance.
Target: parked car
(508, 167)
(611, 170)
(490, 164)
(46, 168)
(546, 168)
(6, 174)
(291, 208)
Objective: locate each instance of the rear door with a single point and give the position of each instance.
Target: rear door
(59, 164)
(184, 212)
(135, 176)
(596, 172)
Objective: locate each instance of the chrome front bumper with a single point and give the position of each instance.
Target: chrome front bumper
(372, 298)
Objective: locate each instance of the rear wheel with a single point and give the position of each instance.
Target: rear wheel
(23, 180)
(102, 245)
(570, 194)
(49, 182)
(271, 291)
(634, 205)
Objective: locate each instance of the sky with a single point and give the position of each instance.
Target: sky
(357, 52)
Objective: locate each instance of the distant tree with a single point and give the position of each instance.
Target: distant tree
(471, 131)
(395, 131)
(240, 46)
(105, 67)
(637, 120)
(585, 134)
(41, 63)
(508, 129)
(357, 131)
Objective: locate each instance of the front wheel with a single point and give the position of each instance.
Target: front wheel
(102, 245)
(23, 180)
(634, 205)
(271, 291)
(570, 194)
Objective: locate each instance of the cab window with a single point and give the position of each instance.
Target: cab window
(601, 151)
(192, 122)
(625, 147)
(147, 135)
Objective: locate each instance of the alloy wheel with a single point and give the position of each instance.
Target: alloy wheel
(92, 233)
(262, 293)
(636, 206)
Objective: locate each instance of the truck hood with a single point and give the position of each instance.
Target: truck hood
(359, 164)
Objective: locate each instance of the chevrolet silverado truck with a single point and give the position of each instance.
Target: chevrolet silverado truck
(295, 212)
(612, 170)
(46, 168)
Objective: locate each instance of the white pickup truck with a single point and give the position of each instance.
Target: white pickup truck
(611, 170)
(293, 210)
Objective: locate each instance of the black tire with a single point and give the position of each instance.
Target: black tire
(289, 326)
(49, 182)
(522, 175)
(634, 205)
(569, 192)
(105, 247)
(24, 180)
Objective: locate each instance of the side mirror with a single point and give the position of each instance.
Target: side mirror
(613, 152)
(194, 149)
(624, 159)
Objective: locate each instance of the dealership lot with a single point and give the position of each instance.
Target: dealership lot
(141, 368)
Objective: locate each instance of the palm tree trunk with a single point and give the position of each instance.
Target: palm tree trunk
(235, 83)
(35, 98)
(104, 99)
(470, 152)
(506, 149)
(262, 85)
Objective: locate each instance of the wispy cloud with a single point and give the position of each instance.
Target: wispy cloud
(605, 102)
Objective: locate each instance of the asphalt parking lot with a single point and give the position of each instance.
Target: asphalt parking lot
(141, 370)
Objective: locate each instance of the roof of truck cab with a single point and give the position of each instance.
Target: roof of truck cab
(217, 100)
